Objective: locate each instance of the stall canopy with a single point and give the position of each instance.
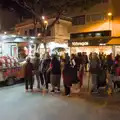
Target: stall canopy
(15, 38)
(114, 41)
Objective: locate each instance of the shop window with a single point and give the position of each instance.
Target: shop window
(105, 1)
(39, 30)
(98, 34)
(88, 18)
(81, 35)
(49, 33)
(95, 17)
(89, 34)
(78, 20)
(26, 33)
(31, 32)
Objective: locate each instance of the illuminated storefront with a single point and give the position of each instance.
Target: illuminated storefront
(91, 42)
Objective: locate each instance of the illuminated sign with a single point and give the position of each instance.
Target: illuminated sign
(80, 43)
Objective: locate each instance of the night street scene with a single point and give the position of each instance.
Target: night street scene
(59, 59)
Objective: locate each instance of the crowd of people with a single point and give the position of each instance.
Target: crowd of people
(50, 69)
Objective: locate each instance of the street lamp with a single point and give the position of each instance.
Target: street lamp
(109, 14)
(46, 24)
(110, 18)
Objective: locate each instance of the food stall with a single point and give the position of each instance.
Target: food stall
(11, 66)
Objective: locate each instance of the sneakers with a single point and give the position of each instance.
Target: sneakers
(58, 90)
(68, 95)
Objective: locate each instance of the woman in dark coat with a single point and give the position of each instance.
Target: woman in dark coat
(67, 78)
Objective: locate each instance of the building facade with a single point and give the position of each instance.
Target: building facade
(58, 35)
(6, 20)
(96, 29)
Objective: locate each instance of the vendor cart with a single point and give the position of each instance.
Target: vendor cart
(10, 70)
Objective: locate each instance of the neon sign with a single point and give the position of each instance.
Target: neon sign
(80, 43)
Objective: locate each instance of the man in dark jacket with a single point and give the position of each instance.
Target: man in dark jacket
(36, 63)
(28, 74)
(94, 70)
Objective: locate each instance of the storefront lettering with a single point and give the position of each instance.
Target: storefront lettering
(80, 43)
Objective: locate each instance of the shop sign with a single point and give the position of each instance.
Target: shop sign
(80, 43)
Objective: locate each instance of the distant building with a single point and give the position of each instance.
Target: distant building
(57, 36)
(58, 33)
(96, 29)
(7, 20)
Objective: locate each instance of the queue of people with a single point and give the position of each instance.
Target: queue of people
(50, 69)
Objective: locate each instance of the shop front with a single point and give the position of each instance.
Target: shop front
(91, 42)
(115, 42)
(54, 48)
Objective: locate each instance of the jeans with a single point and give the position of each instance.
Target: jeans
(94, 82)
(29, 81)
(67, 90)
(37, 78)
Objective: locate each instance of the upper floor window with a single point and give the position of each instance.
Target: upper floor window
(31, 32)
(26, 32)
(95, 17)
(105, 1)
(78, 20)
(39, 30)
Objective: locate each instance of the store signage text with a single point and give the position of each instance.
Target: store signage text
(80, 43)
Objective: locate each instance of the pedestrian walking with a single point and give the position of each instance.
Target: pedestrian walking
(28, 75)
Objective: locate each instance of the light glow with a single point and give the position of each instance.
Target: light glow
(43, 17)
(109, 14)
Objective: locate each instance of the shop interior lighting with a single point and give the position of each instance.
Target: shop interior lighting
(45, 22)
(43, 17)
(5, 33)
(31, 42)
(32, 37)
(13, 36)
(39, 34)
(109, 14)
(24, 37)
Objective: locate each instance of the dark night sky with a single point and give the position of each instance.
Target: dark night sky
(14, 7)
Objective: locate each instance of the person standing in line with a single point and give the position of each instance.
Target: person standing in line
(75, 69)
(110, 62)
(36, 64)
(85, 61)
(55, 73)
(45, 67)
(28, 75)
(94, 70)
(41, 70)
(67, 78)
(67, 58)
